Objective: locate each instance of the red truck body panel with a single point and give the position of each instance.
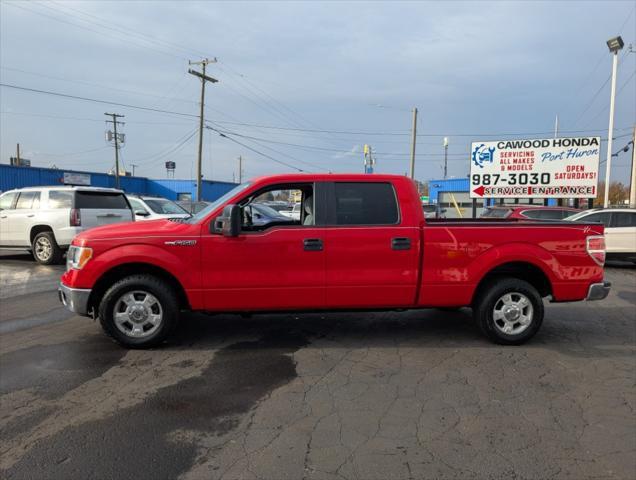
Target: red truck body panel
(269, 270)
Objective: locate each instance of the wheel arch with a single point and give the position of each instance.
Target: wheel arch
(39, 228)
(108, 278)
(522, 270)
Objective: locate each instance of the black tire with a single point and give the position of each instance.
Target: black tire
(137, 285)
(490, 300)
(45, 249)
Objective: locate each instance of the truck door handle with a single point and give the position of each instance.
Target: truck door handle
(31, 215)
(3, 216)
(401, 243)
(312, 244)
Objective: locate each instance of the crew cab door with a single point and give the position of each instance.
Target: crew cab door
(372, 255)
(277, 265)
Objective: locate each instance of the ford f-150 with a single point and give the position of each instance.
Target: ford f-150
(361, 243)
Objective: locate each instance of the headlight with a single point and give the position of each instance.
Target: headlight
(77, 257)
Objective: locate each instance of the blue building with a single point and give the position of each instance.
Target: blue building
(453, 194)
(17, 177)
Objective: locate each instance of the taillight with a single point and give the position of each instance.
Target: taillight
(76, 219)
(596, 248)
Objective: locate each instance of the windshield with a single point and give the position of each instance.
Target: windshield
(219, 201)
(164, 207)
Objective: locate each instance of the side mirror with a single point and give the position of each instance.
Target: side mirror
(229, 222)
(141, 213)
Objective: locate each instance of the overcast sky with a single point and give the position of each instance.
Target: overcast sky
(475, 70)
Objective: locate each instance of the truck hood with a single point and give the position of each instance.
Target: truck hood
(150, 228)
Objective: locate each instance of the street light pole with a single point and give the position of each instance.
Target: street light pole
(614, 45)
(445, 157)
(413, 139)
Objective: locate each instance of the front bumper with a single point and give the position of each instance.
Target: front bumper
(598, 291)
(75, 299)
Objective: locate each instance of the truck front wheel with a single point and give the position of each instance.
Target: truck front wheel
(139, 311)
(509, 311)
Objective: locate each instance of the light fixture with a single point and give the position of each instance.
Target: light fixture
(615, 44)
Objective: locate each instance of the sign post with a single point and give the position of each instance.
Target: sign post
(535, 168)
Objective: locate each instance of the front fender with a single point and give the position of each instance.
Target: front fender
(182, 267)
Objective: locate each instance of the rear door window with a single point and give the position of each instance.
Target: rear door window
(366, 204)
(26, 200)
(60, 199)
(623, 219)
(100, 200)
(603, 217)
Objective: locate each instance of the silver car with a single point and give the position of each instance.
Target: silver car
(45, 219)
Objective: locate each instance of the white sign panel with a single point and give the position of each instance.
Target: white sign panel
(71, 178)
(536, 168)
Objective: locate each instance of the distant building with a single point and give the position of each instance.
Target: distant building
(12, 176)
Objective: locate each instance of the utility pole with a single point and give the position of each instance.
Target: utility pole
(414, 135)
(614, 45)
(17, 152)
(240, 172)
(133, 165)
(556, 134)
(203, 78)
(632, 183)
(115, 122)
(445, 157)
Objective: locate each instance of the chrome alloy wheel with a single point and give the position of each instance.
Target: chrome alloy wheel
(512, 313)
(137, 314)
(43, 249)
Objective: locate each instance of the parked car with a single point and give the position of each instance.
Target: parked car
(152, 208)
(45, 219)
(433, 210)
(525, 212)
(620, 230)
(294, 213)
(261, 214)
(279, 205)
(192, 207)
(361, 242)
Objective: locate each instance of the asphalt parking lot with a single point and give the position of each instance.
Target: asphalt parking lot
(408, 395)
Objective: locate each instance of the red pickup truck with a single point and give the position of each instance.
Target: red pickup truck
(361, 243)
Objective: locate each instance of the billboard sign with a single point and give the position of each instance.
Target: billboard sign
(72, 178)
(535, 168)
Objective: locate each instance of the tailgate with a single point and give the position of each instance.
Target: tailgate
(102, 208)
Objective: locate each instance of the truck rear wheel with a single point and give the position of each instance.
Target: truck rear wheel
(509, 311)
(139, 311)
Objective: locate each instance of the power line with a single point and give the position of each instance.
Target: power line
(604, 109)
(179, 143)
(92, 84)
(83, 119)
(446, 134)
(325, 149)
(256, 151)
(106, 102)
(22, 7)
(72, 153)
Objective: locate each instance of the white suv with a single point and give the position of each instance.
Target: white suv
(620, 230)
(45, 219)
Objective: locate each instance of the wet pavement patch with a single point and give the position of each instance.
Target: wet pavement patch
(134, 443)
(53, 370)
